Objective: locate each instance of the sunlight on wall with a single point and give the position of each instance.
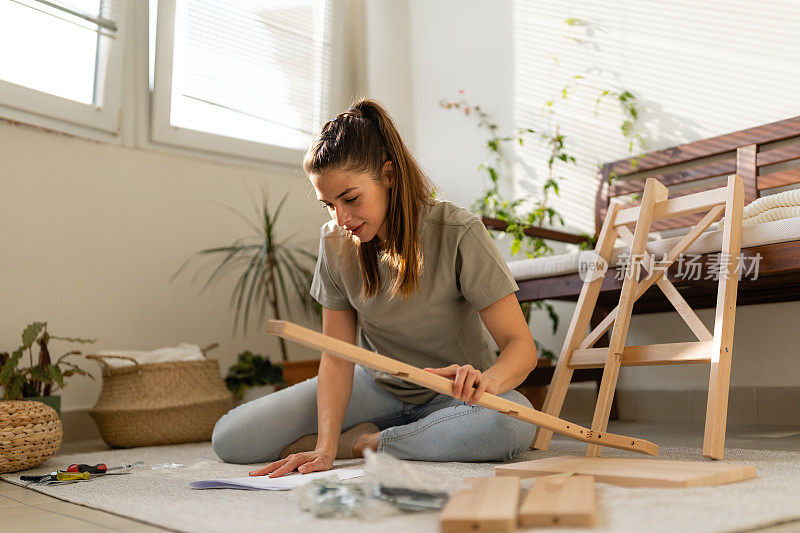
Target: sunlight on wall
(697, 69)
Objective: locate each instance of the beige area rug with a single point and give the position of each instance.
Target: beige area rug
(162, 496)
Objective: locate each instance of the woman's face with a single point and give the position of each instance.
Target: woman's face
(355, 201)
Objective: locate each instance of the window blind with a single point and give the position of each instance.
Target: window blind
(263, 59)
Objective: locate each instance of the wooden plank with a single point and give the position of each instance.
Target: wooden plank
(581, 318)
(778, 155)
(709, 170)
(674, 207)
(674, 353)
(535, 231)
(775, 131)
(778, 179)
(746, 169)
(722, 350)
(487, 504)
(442, 385)
(653, 192)
(634, 472)
(559, 501)
(686, 220)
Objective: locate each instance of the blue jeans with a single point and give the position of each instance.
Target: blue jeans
(443, 429)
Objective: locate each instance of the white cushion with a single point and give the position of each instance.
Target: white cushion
(711, 241)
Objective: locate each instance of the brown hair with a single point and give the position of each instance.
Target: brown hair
(362, 139)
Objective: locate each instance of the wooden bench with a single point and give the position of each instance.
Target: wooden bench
(766, 157)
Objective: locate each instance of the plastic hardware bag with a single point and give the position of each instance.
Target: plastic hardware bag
(404, 485)
(329, 497)
(389, 486)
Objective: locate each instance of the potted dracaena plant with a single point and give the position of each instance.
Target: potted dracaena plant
(38, 382)
(270, 271)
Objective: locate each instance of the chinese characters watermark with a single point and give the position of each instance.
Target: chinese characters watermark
(691, 266)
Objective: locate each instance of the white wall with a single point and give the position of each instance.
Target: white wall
(91, 234)
(459, 45)
(698, 69)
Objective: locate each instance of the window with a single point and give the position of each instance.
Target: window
(248, 79)
(251, 77)
(66, 61)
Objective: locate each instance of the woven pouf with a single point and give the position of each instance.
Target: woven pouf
(30, 434)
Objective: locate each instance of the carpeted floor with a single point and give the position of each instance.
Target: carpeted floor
(162, 496)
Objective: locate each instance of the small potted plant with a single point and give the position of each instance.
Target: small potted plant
(38, 382)
(253, 376)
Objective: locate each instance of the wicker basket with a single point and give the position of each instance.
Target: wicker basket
(30, 434)
(159, 403)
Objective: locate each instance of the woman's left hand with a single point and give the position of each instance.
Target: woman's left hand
(464, 378)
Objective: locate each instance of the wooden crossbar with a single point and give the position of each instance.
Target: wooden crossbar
(714, 349)
(651, 354)
(442, 385)
(676, 207)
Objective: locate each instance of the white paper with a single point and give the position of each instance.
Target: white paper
(287, 482)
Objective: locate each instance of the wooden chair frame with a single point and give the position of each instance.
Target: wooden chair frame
(715, 349)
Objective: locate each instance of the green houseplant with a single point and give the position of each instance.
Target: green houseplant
(521, 217)
(252, 371)
(38, 382)
(270, 271)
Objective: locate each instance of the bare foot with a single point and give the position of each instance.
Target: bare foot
(368, 440)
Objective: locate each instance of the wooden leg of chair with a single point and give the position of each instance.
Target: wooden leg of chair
(721, 353)
(604, 400)
(654, 192)
(717, 408)
(557, 390)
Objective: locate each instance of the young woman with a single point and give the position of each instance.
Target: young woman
(408, 277)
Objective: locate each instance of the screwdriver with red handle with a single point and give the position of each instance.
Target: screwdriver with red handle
(100, 468)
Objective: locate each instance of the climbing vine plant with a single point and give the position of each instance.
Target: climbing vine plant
(537, 211)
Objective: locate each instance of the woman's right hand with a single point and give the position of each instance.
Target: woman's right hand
(303, 462)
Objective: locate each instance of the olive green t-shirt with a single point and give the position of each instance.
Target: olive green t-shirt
(462, 273)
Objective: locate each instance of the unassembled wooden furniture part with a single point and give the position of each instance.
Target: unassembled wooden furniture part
(355, 354)
(715, 348)
(559, 500)
(491, 504)
(627, 472)
(486, 504)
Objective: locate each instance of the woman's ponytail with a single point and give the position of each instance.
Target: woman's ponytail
(362, 139)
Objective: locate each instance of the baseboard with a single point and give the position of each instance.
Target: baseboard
(763, 406)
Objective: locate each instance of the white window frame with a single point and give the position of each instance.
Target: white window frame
(164, 132)
(136, 111)
(47, 110)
